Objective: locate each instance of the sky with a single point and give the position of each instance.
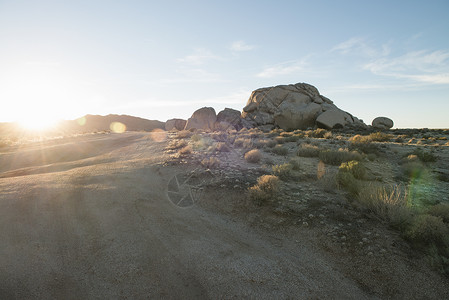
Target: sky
(165, 59)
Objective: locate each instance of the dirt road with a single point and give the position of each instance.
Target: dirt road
(90, 218)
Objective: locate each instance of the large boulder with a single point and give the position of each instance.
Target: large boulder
(175, 124)
(294, 106)
(382, 123)
(228, 119)
(335, 118)
(203, 118)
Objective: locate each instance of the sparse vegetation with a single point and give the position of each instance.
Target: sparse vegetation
(253, 156)
(266, 188)
(308, 150)
(279, 150)
(185, 150)
(211, 162)
(283, 171)
(356, 168)
(333, 157)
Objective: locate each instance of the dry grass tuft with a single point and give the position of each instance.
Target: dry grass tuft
(253, 156)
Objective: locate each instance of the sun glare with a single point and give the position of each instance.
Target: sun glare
(38, 123)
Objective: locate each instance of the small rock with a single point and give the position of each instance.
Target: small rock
(305, 224)
(364, 240)
(311, 216)
(370, 253)
(343, 238)
(321, 216)
(383, 251)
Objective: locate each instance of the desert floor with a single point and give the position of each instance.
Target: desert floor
(98, 216)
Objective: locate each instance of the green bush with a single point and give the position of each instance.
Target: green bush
(308, 150)
(333, 157)
(295, 163)
(347, 181)
(425, 156)
(282, 171)
(357, 169)
(279, 150)
(440, 210)
(426, 229)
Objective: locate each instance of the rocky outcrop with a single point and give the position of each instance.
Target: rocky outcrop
(382, 123)
(175, 124)
(228, 119)
(295, 106)
(203, 118)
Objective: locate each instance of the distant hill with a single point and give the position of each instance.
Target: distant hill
(92, 123)
(86, 124)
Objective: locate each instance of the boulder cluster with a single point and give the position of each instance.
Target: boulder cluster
(290, 107)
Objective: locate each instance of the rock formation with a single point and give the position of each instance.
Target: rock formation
(203, 118)
(294, 106)
(175, 124)
(382, 123)
(228, 119)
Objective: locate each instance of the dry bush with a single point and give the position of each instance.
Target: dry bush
(267, 187)
(336, 158)
(279, 150)
(253, 156)
(219, 147)
(425, 156)
(183, 134)
(176, 144)
(328, 182)
(271, 143)
(328, 135)
(440, 210)
(186, 150)
(317, 133)
(379, 137)
(210, 162)
(283, 171)
(196, 137)
(292, 139)
(243, 143)
(413, 169)
(307, 150)
(356, 168)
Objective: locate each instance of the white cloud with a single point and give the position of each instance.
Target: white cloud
(422, 66)
(239, 46)
(360, 46)
(199, 57)
(283, 69)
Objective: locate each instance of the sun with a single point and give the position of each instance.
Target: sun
(38, 122)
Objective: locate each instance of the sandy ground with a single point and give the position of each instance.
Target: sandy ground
(90, 217)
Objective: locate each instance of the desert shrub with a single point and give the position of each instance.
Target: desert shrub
(220, 147)
(379, 137)
(356, 168)
(413, 169)
(388, 202)
(347, 181)
(279, 150)
(219, 136)
(328, 135)
(291, 139)
(183, 134)
(328, 182)
(253, 156)
(295, 163)
(266, 188)
(176, 144)
(317, 133)
(307, 150)
(363, 144)
(282, 171)
(243, 143)
(196, 137)
(210, 162)
(185, 150)
(440, 210)
(425, 156)
(426, 229)
(271, 143)
(280, 139)
(333, 157)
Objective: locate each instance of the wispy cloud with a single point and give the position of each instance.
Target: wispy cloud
(360, 46)
(199, 57)
(422, 66)
(193, 75)
(240, 46)
(283, 69)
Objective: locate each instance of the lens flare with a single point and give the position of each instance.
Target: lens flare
(117, 127)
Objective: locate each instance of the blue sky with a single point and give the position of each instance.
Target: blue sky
(165, 59)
